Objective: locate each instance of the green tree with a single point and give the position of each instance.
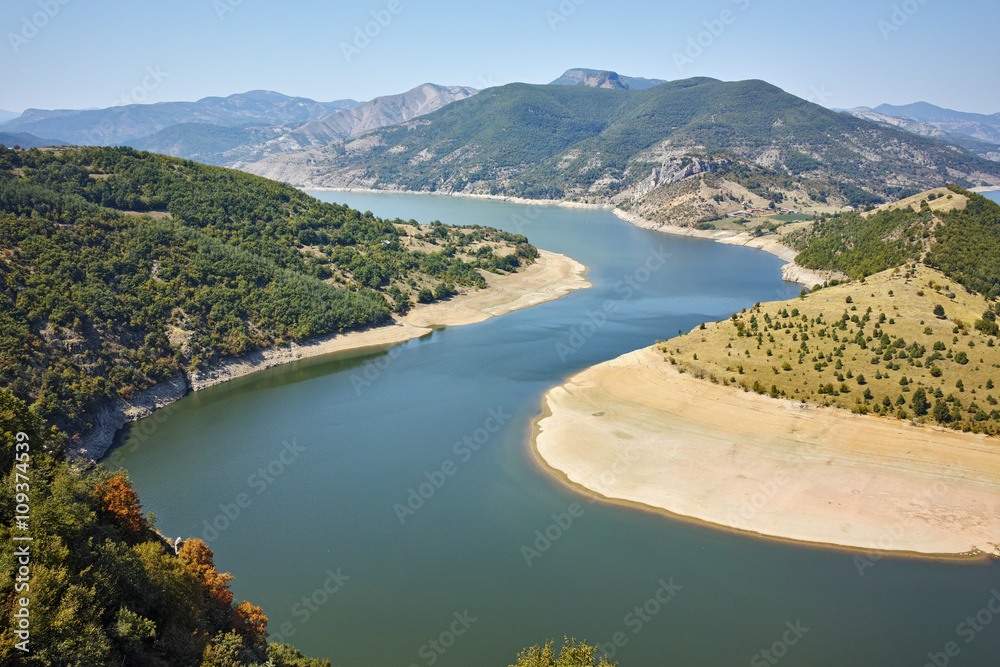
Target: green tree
(919, 402)
(572, 654)
(941, 413)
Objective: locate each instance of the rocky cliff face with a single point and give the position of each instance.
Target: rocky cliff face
(603, 79)
(908, 124)
(675, 171)
(380, 112)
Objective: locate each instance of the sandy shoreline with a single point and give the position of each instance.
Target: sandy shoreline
(467, 195)
(634, 430)
(791, 271)
(551, 276)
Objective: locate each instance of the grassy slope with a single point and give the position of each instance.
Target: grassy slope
(720, 353)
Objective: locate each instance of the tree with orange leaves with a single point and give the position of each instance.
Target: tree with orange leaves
(119, 503)
(199, 559)
(251, 623)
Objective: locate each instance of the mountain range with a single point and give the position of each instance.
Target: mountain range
(123, 124)
(978, 133)
(612, 145)
(225, 131)
(590, 135)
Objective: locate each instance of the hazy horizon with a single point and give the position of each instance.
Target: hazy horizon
(60, 54)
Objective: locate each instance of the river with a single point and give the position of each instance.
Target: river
(384, 508)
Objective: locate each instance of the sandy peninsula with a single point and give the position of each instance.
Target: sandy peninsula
(636, 430)
(551, 276)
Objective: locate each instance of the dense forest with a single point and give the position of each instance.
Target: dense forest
(963, 243)
(120, 269)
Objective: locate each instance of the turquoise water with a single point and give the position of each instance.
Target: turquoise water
(383, 506)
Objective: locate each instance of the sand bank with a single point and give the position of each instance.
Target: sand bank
(636, 430)
(468, 195)
(550, 277)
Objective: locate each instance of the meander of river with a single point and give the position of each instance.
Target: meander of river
(384, 508)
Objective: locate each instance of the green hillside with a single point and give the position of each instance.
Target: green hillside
(577, 142)
(913, 335)
(120, 269)
(963, 243)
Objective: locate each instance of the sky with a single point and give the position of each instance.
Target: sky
(78, 54)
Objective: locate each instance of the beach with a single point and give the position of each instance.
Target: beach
(637, 431)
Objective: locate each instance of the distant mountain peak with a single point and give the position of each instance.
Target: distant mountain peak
(593, 78)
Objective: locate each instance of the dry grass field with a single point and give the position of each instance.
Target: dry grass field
(873, 347)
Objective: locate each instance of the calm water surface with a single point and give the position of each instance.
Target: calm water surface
(314, 461)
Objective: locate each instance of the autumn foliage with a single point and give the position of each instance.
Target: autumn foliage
(199, 559)
(251, 623)
(119, 503)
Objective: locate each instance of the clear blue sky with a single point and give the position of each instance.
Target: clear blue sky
(96, 54)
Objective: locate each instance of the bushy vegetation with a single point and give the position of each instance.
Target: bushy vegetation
(572, 654)
(861, 246)
(964, 243)
(967, 245)
(119, 269)
(902, 344)
(106, 589)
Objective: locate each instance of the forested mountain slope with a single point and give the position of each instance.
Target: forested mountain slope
(599, 144)
(120, 269)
